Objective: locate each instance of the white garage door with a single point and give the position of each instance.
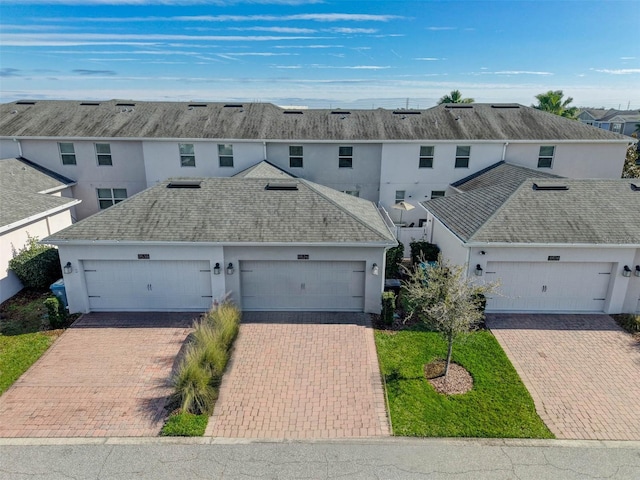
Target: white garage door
(302, 285)
(148, 285)
(553, 287)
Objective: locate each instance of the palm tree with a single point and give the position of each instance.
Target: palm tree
(455, 97)
(552, 102)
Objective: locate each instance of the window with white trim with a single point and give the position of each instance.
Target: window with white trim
(545, 157)
(616, 127)
(400, 194)
(225, 155)
(103, 154)
(67, 153)
(187, 155)
(426, 156)
(462, 156)
(295, 156)
(345, 157)
(110, 196)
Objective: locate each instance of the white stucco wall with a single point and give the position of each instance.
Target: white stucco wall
(162, 159)
(451, 247)
(320, 165)
(9, 148)
(400, 171)
(127, 170)
(222, 284)
(632, 299)
(574, 159)
(16, 239)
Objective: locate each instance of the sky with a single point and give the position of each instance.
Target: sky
(321, 54)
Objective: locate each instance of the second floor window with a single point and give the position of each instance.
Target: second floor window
(187, 155)
(295, 156)
(110, 196)
(67, 153)
(545, 157)
(353, 193)
(103, 154)
(462, 156)
(225, 155)
(400, 196)
(345, 157)
(426, 156)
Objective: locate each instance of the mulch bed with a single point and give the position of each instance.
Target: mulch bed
(457, 382)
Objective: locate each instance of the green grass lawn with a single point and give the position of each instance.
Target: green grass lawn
(498, 406)
(185, 424)
(19, 352)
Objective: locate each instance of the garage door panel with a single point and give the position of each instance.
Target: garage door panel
(289, 285)
(537, 286)
(148, 285)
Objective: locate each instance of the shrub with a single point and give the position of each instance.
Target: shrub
(629, 321)
(388, 307)
(423, 251)
(226, 319)
(56, 312)
(192, 384)
(393, 261)
(37, 266)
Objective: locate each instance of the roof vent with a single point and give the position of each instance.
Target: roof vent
(549, 186)
(286, 186)
(635, 187)
(196, 105)
(90, 104)
(407, 112)
(184, 184)
(339, 112)
(25, 102)
(458, 105)
(505, 105)
(292, 112)
(125, 104)
(233, 105)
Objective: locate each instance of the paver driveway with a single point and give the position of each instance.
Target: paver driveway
(105, 376)
(302, 375)
(582, 371)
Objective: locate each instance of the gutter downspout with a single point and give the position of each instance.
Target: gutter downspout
(19, 146)
(504, 151)
(264, 150)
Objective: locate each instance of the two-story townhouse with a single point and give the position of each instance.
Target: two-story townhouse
(114, 149)
(618, 121)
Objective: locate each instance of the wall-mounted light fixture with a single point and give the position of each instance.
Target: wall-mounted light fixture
(216, 269)
(626, 271)
(68, 268)
(482, 252)
(637, 271)
(230, 269)
(374, 269)
(478, 270)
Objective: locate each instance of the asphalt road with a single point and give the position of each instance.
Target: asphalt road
(399, 458)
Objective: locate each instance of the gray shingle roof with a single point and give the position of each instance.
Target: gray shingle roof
(235, 210)
(262, 121)
(20, 184)
(589, 212)
(263, 169)
(499, 174)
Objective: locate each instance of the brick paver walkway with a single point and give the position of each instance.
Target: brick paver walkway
(302, 375)
(582, 371)
(105, 376)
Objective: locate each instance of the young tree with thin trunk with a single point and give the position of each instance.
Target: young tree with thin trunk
(446, 300)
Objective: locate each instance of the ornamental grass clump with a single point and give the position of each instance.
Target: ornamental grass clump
(199, 374)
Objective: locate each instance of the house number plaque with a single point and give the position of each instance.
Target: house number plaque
(303, 257)
(143, 256)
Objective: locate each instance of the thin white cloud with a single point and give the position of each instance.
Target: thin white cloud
(261, 54)
(68, 39)
(310, 46)
(428, 59)
(312, 17)
(627, 58)
(621, 71)
(516, 72)
(273, 29)
(440, 29)
(352, 30)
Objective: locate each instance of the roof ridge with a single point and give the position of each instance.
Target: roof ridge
(468, 178)
(312, 186)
